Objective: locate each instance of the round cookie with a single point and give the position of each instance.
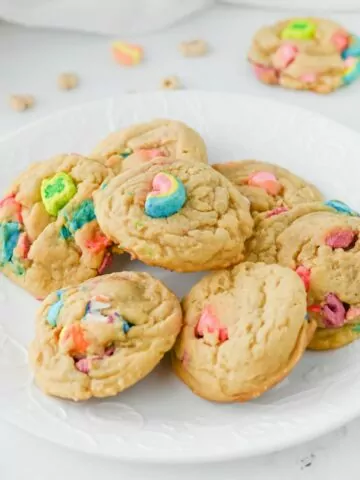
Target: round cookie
(306, 54)
(179, 215)
(321, 243)
(141, 143)
(99, 338)
(244, 330)
(269, 188)
(49, 236)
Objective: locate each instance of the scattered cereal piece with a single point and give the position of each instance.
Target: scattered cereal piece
(194, 48)
(67, 81)
(20, 103)
(171, 83)
(127, 53)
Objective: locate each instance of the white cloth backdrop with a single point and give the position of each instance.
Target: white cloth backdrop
(127, 17)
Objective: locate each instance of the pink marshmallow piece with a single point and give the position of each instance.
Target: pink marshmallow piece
(209, 322)
(24, 245)
(109, 351)
(341, 239)
(83, 365)
(352, 313)
(160, 184)
(107, 260)
(304, 273)
(223, 334)
(185, 359)
(266, 74)
(276, 211)
(333, 311)
(350, 62)
(266, 181)
(151, 153)
(314, 308)
(340, 40)
(284, 55)
(308, 78)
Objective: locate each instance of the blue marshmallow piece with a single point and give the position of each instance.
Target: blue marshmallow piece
(353, 50)
(9, 237)
(54, 310)
(341, 207)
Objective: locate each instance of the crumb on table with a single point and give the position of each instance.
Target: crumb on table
(67, 81)
(19, 103)
(127, 54)
(193, 48)
(171, 83)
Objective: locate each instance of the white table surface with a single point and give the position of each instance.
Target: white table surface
(30, 61)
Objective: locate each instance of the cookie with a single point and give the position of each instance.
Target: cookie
(49, 236)
(179, 215)
(269, 188)
(101, 337)
(329, 339)
(138, 144)
(244, 330)
(321, 243)
(306, 54)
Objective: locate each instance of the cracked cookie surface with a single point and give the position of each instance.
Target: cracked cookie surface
(207, 232)
(323, 247)
(244, 330)
(99, 338)
(141, 143)
(268, 187)
(49, 236)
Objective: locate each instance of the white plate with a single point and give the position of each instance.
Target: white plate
(160, 419)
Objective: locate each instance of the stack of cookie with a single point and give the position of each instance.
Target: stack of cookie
(285, 266)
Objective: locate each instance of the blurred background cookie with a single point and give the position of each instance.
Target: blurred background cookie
(306, 54)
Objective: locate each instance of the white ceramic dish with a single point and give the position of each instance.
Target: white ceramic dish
(159, 419)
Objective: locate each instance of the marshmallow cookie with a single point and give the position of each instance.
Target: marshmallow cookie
(270, 188)
(244, 330)
(99, 338)
(306, 54)
(179, 215)
(138, 144)
(320, 242)
(49, 236)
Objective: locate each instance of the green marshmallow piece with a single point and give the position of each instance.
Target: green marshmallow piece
(126, 152)
(57, 191)
(299, 30)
